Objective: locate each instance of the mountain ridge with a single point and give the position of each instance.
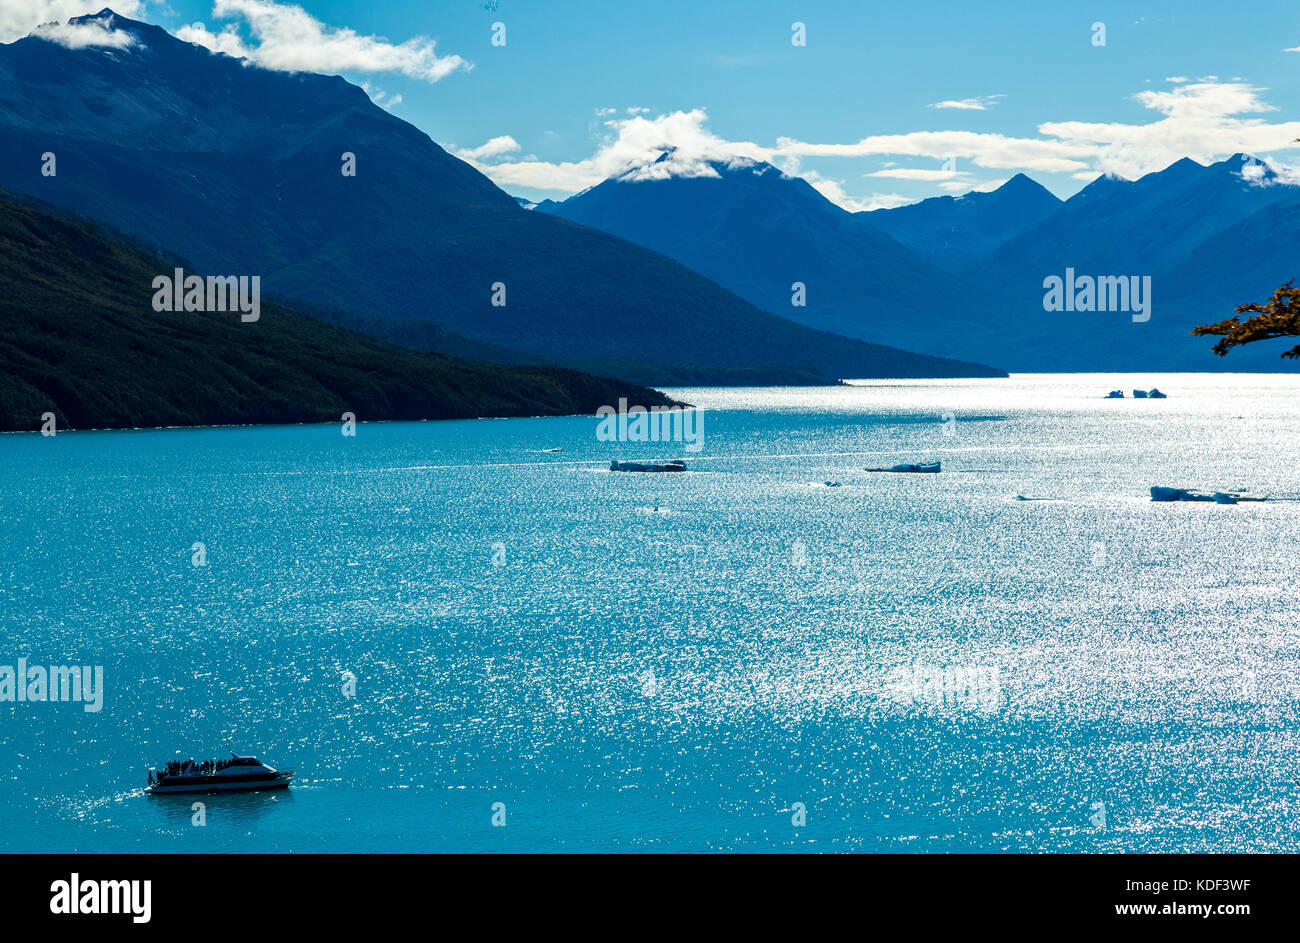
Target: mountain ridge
(955, 232)
(759, 232)
(989, 256)
(242, 174)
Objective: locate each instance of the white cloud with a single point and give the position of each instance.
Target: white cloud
(228, 40)
(962, 186)
(1204, 120)
(288, 38)
(18, 18)
(980, 103)
(381, 98)
(691, 149)
(1205, 100)
(984, 150)
(834, 191)
(541, 175)
(880, 201)
(502, 144)
(632, 149)
(84, 35)
(917, 173)
(1257, 173)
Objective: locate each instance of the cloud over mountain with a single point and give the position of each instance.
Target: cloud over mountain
(18, 18)
(1206, 120)
(286, 37)
(84, 35)
(630, 145)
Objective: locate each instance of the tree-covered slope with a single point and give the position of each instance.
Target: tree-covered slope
(79, 338)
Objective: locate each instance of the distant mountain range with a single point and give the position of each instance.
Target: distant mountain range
(79, 338)
(957, 233)
(238, 170)
(758, 232)
(965, 275)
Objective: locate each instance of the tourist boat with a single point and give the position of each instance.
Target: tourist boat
(647, 467)
(239, 773)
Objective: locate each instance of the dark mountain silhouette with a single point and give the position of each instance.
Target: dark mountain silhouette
(1204, 234)
(238, 169)
(79, 338)
(1149, 225)
(956, 232)
(1210, 238)
(757, 232)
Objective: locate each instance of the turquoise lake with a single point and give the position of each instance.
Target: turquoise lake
(740, 657)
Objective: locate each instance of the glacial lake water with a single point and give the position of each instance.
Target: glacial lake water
(735, 658)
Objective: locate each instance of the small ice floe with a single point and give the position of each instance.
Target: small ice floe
(1159, 493)
(921, 468)
(1115, 394)
(673, 466)
(832, 484)
(1152, 393)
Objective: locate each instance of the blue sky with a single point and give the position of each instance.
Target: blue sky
(859, 110)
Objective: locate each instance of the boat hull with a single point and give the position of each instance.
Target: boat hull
(279, 782)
